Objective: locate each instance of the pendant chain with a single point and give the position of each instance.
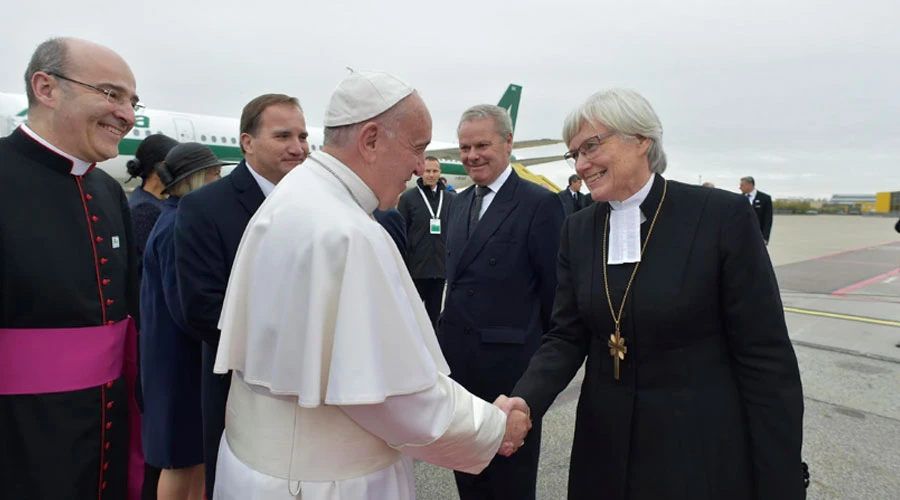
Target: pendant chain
(618, 318)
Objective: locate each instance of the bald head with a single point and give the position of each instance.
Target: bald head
(81, 97)
(65, 55)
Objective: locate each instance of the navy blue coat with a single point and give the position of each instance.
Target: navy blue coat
(500, 289)
(208, 229)
(170, 358)
(393, 223)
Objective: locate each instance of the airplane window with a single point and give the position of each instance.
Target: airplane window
(137, 133)
(213, 138)
(203, 138)
(147, 133)
(224, 140)
(233, 140)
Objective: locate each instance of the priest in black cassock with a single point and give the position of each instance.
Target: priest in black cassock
(691, 389)
(68, 284)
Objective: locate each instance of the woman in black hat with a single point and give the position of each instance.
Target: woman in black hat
(146, 200)
(170, 355)
(150, 152)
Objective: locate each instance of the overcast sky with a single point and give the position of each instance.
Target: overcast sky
(801, 94)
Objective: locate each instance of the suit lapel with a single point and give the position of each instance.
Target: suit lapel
(249, 193)
(456, 238)
(501, 206)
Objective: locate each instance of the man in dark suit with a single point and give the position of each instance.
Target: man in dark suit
(502, 239)
(761, 203)
(208, 228)
(571, 197)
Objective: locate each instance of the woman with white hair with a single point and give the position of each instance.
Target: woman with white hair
(691, 388)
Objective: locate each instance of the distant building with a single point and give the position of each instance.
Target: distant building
(850, 204)
(887, 202)
(851, 199)
(879, 203)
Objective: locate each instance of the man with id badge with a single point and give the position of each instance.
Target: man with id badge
(424, 208)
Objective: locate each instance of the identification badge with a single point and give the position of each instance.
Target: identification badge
(435, 226)
(115, 242)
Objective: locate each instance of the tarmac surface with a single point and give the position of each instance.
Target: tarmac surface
(840, 284)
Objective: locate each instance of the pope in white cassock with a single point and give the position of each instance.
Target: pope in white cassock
(337, 378)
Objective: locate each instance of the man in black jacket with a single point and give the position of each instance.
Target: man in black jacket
(424, 208)
(571, 197)
(761, 203)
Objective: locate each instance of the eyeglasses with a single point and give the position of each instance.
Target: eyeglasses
(587, 148)
(111, 95)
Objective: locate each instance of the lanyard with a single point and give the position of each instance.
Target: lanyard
(428, 204)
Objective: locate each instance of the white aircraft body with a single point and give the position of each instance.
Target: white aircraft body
(221, 134)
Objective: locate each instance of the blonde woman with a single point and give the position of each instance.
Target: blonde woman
(172, 430)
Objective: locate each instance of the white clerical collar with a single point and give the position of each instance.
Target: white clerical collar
(500, 180)
(625, 226)
(363, 193)
(265, 185)
(79, 167)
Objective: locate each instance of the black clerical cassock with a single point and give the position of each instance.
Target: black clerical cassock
(68, 283)
(708, 404)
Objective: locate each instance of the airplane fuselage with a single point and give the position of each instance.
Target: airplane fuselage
(221, 134)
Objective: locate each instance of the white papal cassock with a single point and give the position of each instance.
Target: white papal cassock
(338, 380)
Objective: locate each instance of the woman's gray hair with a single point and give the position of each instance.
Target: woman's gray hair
(626, 112)
(51, 56)
(502, 121)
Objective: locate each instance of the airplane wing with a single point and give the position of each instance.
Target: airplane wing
(510, 102)
(537, 161)
(533, 143)
(452, 154)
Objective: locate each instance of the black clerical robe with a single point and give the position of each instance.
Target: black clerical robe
(709, 404)
(67, 260)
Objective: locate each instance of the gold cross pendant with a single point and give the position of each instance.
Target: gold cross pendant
(617, 350)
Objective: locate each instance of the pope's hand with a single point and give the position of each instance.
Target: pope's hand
(518, 423)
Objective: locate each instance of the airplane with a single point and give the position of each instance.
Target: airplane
(221, 135)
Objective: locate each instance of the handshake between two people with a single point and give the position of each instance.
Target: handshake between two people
(518, 423)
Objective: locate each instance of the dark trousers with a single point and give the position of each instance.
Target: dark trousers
(213, 396)
(151, 481)
(513, 478)
(431, 291)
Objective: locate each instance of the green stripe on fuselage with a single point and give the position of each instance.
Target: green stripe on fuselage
(452, 168)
